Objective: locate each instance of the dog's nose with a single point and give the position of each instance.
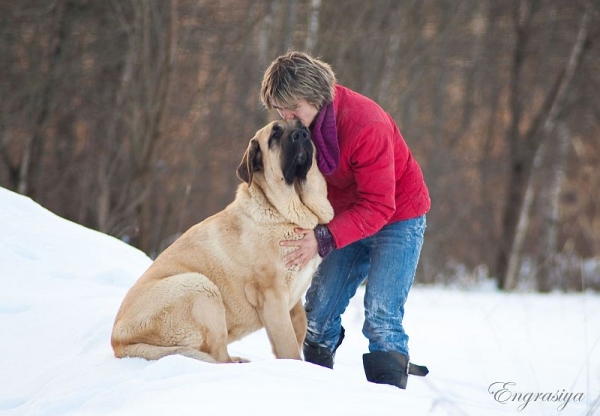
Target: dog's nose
(301, 134)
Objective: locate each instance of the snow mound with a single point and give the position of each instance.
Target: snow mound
(61, 285)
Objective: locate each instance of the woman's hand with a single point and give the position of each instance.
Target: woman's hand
(307, 248)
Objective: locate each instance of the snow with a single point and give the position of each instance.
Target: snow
(61, 285)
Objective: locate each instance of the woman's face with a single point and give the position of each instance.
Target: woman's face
(302, 111)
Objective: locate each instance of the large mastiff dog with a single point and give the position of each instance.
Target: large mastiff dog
(225, 277)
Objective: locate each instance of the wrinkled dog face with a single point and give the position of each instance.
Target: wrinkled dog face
(281, 151)
(296, 150)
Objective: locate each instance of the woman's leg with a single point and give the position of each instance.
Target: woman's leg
(394, 255)
(333, 285)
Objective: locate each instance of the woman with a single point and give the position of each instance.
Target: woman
(380, 199)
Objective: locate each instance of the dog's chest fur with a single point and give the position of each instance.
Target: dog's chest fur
(296, 280)
(300, 280)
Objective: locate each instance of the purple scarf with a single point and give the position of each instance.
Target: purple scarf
(324, 136)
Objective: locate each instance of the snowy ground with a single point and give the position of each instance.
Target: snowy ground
(61, 285)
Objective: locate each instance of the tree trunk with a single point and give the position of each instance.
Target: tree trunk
(313, 26)
(547, 277)
(564, 85)
(517, 158)
(33, 149)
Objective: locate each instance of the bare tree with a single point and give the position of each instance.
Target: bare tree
(31, 160)
(138, 114)
(548, 273)
(313, 26)
(532, 167)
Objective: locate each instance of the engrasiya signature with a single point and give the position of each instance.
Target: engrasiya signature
(502, 392)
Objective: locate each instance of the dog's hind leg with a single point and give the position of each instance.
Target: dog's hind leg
(153, 352)
(209, 316)
(181, 314)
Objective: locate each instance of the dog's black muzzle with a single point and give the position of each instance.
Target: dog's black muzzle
(297, 154)
(301, 139)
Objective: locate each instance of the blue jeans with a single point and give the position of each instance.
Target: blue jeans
(388, 259)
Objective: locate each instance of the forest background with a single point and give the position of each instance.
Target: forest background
(131, 116)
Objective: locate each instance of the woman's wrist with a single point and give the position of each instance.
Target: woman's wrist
(324, 240)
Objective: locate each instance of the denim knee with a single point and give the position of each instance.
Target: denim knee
(334, 284)
(395, 252)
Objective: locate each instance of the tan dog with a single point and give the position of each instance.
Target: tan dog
(225, 277)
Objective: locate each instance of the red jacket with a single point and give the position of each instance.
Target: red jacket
(377, 181)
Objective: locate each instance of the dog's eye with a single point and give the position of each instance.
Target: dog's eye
(276, 134)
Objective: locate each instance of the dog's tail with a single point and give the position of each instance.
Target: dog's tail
(154, 352)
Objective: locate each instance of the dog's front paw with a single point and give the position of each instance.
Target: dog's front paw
(239, 360)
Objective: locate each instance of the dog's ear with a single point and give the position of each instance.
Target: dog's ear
(251, 162)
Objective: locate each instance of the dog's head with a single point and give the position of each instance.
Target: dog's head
(281, 151)
(280, 167)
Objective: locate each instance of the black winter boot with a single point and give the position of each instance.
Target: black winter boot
(390, 367)
(316, 354)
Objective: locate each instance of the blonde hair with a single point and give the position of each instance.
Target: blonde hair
(295, 76)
